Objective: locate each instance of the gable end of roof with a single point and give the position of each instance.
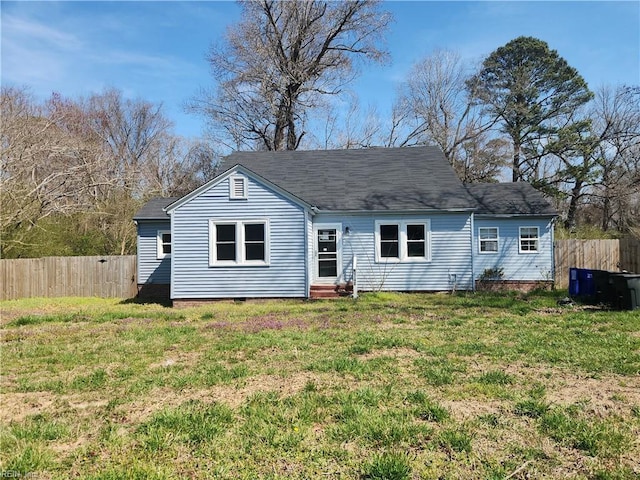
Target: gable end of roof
(236, 169)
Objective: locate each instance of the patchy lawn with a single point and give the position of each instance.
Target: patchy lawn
(390, 386)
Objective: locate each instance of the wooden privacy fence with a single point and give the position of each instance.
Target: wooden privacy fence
(115, 276)
(611, 255)
(98, 276)
(630, 254)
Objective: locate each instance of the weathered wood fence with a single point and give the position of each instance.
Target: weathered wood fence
(115, 276)
(630, 254)
(99, 276)
(612, 255)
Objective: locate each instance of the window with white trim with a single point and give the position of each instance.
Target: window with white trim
(389, 240)
(529, 239)
(254, 242)
(225, 242)
(238, 189)
(416, 240)
(163, 244)
(488, 238)
(403, 241)
(243, 242)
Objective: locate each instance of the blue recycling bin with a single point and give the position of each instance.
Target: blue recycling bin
(582, 284)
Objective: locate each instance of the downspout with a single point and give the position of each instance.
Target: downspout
(172, 259)
(473, 261)
(307, 280)
(137, 257)
(553, 252)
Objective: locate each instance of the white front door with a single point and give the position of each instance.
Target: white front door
(327, 253)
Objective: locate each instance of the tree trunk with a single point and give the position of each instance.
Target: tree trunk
(281, 122)
(570, 222)
(516, 174)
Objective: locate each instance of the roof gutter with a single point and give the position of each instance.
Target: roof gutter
(151, 219)
(516, 215)
(395, 212)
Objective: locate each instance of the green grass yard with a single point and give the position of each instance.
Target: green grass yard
(390, 386)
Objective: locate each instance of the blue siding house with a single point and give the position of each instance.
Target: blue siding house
(314, 223)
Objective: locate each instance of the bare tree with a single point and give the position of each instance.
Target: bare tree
(48, 166)
(347, 128)
(593, 164)
(180, 167)
(281, 61)
(436, 107)
(132, 133)
(483, 159)
(92, 160)
(616, 120)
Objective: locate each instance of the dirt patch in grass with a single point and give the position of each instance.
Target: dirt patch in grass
(231, 395)
(398, 353)
(85, 405)
(17, 406)
(177, 359)
(469, 409)
(602, 396)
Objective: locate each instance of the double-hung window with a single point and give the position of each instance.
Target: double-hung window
(163, 244)
(529, 239)
(243, 242)
(254, 242)
(389, 240)
(488, 238)
(416, 240)
(225, 242)
(406, 241)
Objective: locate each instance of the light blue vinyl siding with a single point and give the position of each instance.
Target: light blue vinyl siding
(516, 265)
(192, 275)
(450, 253)
(151, 269)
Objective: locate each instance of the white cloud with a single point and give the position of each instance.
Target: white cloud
(33, 32)
(51, 58)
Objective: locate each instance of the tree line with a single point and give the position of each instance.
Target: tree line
(77, 169)
(74, 171)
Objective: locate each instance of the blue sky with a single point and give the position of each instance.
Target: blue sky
(156, 50)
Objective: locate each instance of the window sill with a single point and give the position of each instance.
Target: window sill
(238, 264)
(395, 261)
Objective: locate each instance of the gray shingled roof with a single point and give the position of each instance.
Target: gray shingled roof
(377, 179)
(416, 178)
(518, 198)
(153, 209)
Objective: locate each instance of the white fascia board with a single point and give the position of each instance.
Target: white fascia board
(235, 170)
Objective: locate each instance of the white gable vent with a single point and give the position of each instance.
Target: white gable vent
(238, 187)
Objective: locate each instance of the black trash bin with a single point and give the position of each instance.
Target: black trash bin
(627, 291)
(605, 292)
